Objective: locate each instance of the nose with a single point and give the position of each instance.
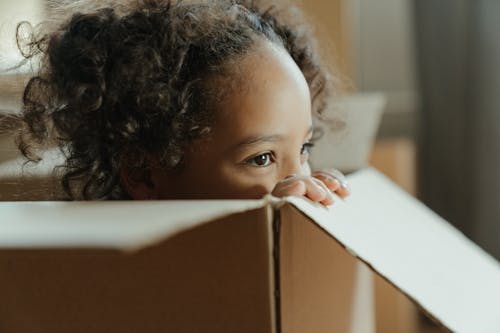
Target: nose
(295, 167)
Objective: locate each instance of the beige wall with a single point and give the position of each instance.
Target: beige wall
(328, 18)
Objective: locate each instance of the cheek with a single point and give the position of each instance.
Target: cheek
(218, 181)
(238, 184)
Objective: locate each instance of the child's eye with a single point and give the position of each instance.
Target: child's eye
(262, 160)
(306, 148)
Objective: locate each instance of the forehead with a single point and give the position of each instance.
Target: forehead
(271, 95)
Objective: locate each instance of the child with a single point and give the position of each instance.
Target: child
(159, 99)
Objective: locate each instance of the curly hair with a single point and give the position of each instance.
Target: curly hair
(118, 85)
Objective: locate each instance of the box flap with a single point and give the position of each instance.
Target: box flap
(105, 225)
(217, 277)
(421, 254)
(317, 278)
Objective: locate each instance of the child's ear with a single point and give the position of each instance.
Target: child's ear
(138, 184)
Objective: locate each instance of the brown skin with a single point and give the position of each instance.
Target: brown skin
(259, 142)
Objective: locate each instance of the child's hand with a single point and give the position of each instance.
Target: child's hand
(335, 181)
(318, 187)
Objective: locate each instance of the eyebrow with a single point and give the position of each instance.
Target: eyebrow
(259, 139)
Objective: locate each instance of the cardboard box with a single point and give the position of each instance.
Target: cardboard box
(236, 266)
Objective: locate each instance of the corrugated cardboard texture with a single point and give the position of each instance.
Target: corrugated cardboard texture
(213, 278)
(317, 277)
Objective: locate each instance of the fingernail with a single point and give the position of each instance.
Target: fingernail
(329, 180)
(324, 192)
(336, 182)
(330, 199)
(345, 185)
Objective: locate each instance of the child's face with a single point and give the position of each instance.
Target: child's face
(259, 137)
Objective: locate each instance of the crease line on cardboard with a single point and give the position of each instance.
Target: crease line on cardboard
(276, 225)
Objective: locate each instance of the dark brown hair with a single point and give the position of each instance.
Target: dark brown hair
(119, 85)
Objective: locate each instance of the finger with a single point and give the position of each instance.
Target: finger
(292, 187)
(331, 182)
(328, 197)
(344, 190)
(299, 185)
(317, 191)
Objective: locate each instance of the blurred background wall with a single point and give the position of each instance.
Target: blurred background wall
(459, 68)
(11, 13)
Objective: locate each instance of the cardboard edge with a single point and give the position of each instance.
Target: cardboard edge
(146, 244)
(275, 246)
(134, 243)
(353, 254)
